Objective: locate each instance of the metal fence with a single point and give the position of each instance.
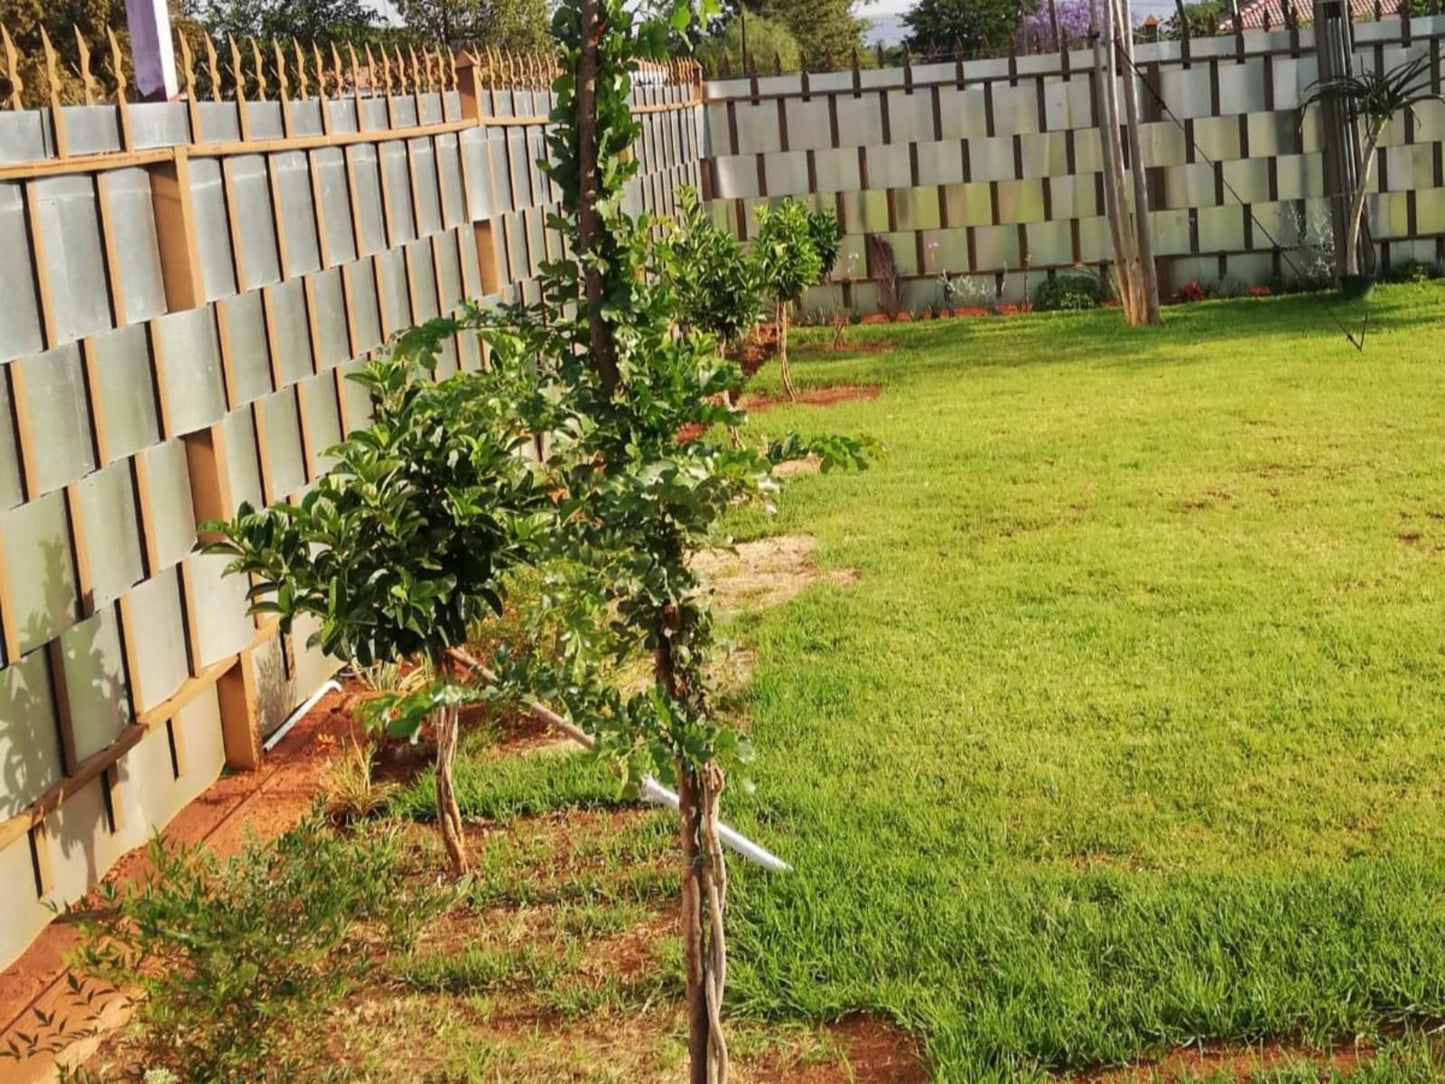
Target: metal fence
(187, 286)
(990, 169)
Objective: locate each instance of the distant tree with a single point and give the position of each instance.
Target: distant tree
(509, 24)
(768, 42)
(822, 28)
(306, 21)
(1202, 19)
(971, 25)
(60, 18)
(1037, 29)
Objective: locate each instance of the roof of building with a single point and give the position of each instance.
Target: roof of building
(1269, 14)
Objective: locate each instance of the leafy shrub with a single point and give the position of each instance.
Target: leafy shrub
(1410, 271)
(767, 38)
(716, 285)
(1190, 291)
(827, 237)
(1068, 293)
(788, 262)
(230, 957)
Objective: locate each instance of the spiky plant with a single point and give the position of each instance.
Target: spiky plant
(1373, 99)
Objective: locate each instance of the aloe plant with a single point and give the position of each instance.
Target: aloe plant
(1373, 98)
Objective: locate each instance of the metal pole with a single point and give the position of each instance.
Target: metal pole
(149, 22)
(1334, 47)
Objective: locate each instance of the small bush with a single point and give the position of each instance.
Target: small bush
(1190, 291)
(1410, 271)
(1068, 293)
(232, 959)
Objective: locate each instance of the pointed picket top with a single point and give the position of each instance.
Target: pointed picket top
(413, 70)
(188, 66)
(320, 71)
(403, 76)
(117, 65)
(52, 72)
(452, 65)
(356, 73)
(238, 70)
(371, 83)
(87, 80)
(213, 68)
(283, 84)
(12, 69)
(260, 71)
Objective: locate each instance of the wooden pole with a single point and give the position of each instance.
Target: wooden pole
(1114, 170)
(1149, 275)
(149, 22)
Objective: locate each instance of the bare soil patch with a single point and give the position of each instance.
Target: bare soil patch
(837, 393)
(796, 468)
(765, 572)
(1231, 1062)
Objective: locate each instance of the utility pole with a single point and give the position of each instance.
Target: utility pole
(1334, 46)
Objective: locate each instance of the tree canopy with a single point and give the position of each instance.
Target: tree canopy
(940, 26)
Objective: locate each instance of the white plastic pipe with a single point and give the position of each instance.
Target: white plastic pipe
(657, 794)
(299, 714)
(652, 790)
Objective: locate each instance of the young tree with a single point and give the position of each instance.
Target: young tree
(402, 547)
(1373, 99)
(633, 503)
(794, 249)
(716, 285)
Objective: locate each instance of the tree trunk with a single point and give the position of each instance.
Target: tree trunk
(787, 373)
(1357, 202)
(1114, 153)
(694, 894)
(1102, 112)
(715, 883)
(588, 222)
(449, 815)
(1143, 240)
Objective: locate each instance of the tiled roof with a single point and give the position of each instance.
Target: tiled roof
(1253, 15)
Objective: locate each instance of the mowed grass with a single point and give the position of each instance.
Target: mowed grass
(1130, 733)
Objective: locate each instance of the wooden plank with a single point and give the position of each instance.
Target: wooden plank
(240, 732)
(176, 233)
(42, 266)
(64, 717)
(112, 251)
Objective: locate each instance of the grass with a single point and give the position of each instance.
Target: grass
(1130, 734)
(1126, 737)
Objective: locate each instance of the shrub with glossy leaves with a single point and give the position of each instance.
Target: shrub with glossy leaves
(715, 283)
(1068, 293)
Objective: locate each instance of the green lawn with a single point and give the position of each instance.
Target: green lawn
(1130, 733)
